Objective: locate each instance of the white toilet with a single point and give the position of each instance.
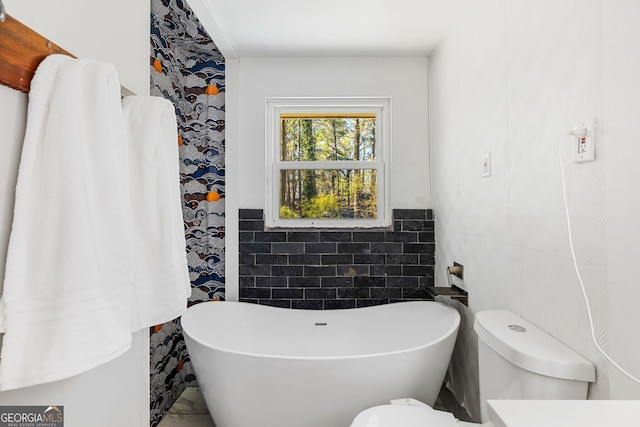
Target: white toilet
(516, 360)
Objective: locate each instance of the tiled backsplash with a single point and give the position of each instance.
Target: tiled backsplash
(336, 268)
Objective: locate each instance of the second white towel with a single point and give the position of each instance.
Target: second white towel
(161, 279)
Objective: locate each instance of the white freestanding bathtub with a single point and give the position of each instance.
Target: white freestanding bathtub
(260, 366)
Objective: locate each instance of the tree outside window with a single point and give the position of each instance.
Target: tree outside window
(327, 166)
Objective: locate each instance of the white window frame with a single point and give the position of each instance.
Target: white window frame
(381, 106)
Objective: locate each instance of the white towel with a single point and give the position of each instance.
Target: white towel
(67, 289)
(161, 278)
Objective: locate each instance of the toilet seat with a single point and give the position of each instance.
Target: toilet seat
(405, 416)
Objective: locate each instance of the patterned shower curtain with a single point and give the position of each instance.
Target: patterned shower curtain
(187, 68)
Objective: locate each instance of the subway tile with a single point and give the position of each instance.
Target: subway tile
(330, 282)
(351, 293)
(255, 293)
(369, 258)
(308, 304)
(254, 248)
(271, 282)
(399, 236)
(325, 270)
(254, 270)
(352, 270)
(250, 214)
(333, 269)
(337, 304)
(251, 224)
(288, 248)
(417, 270)
(320, 248)
(426, 281)
(409, 214)
(418, 248)
(248, 259)
(386, 248)
(287, 270)
(246, 236)
(427, 236)
(340, 259)
(269, 236)
(368, 236)
(272, 259)
(336, 236)
(417, 225)
(303, 236)
(345, 282)
(320, 293)
(304, 282)
(304, 259)
(247, 281)
(385, 293)
(287, 293)
(385, 270)
(427, 259)
(369, 282)
(402, 282)
(401, 259)
(353, 248)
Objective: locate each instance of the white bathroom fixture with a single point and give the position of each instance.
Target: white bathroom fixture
(516, 360)
(564, 413)
(274, 367)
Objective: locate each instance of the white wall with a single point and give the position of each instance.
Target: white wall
(401, 78)
(232, 173)
(510, 79)
(250, 81)
(116, 393)
(112, 31)
(621, 60)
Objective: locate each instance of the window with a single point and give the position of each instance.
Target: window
(326, 162)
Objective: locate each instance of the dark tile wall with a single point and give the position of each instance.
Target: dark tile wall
(329, 268)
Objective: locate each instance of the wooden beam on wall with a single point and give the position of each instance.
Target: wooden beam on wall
(21, 51)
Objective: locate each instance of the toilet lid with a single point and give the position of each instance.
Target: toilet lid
(403, 416)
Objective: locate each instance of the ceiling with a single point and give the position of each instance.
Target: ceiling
(321, 28)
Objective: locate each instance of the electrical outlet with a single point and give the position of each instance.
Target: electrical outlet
(584, 145)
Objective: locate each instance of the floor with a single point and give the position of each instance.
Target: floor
(188, 411)
(191, 411)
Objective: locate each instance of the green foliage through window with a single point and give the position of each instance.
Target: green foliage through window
(319, 183)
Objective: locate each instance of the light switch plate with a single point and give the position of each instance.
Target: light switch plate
(486, 165)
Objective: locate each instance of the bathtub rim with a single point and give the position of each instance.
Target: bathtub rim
(449, 332)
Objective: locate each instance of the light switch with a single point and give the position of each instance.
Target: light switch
(486, 165)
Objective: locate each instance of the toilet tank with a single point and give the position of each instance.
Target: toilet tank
(517, 360)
